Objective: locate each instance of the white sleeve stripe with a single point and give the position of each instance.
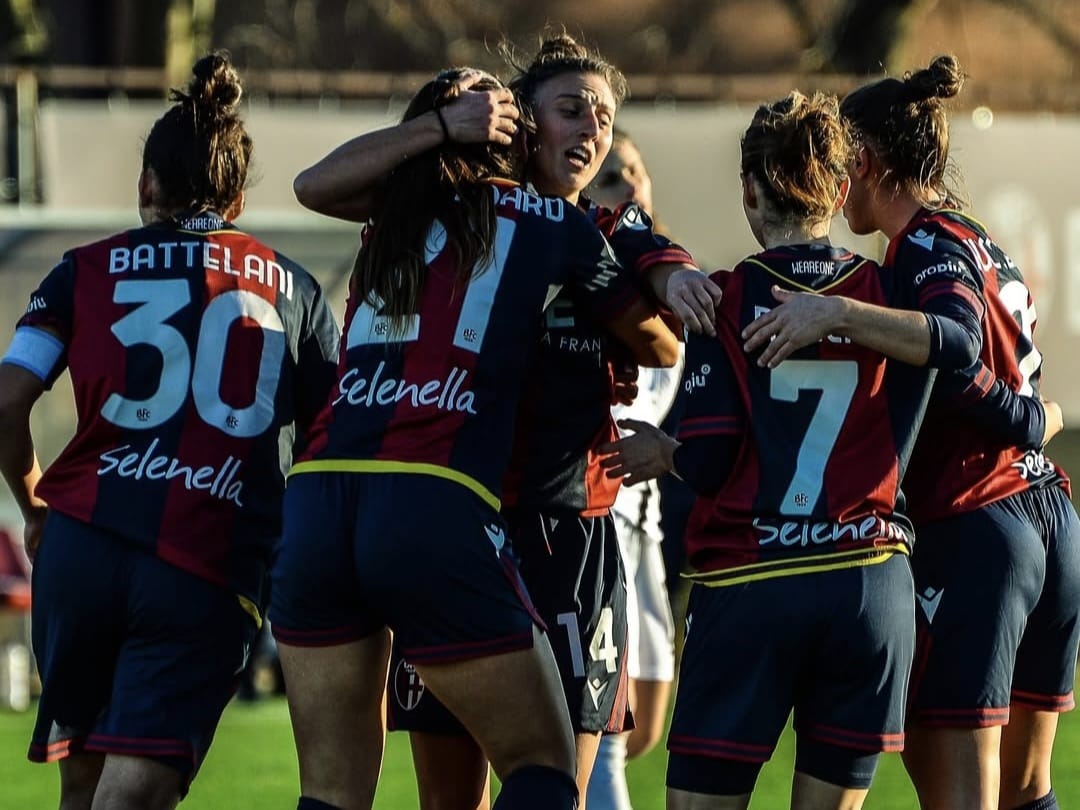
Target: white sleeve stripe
(35, 350)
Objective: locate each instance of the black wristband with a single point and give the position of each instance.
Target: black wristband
(442, 123)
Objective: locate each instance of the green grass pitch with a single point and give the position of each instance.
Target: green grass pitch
(253, 764)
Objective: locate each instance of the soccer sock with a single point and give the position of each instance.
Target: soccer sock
(1047, 802)
(307, 803)
(607, 783)
(537, 787)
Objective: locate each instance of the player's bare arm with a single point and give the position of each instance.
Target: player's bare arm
(19, 390)
(344, 182)
(1055, 422)
(803, 319)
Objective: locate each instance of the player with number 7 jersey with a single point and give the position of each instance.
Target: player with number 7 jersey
(803, 598)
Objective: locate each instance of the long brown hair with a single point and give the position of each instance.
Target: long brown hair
(904, 122)
(798, 149)
(558, 54)
(199, 149)
(446, 185)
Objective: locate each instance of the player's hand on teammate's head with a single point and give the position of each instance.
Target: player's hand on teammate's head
(800, 320)
(647, 453)
(693, 297)
(479, 116)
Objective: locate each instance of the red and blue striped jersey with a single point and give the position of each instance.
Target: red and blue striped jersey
(441, 397)
(566, 410)
(194, 351)
(958, 464)
(820, 443)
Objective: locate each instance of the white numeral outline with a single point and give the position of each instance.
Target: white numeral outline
(160, 299)
(1015, 296)
(601, 647)
(368, 327)
(837, 381)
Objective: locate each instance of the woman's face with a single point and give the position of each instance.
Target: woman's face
(623, 177)
(574, 116)
(859, 205)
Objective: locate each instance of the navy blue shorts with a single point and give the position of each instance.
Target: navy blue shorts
(833, 646)
(419, 554)
(137, 657)
(999, 618)
(573, 570)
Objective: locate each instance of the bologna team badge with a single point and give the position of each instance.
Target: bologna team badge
(408, 688)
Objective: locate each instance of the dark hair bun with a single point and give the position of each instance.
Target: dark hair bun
(560, 46)
(216, 84)
(942, 79)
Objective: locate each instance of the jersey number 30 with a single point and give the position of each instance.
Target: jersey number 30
(202, 371)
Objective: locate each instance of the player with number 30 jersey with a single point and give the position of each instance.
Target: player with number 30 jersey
(205, 349)
(196, 355)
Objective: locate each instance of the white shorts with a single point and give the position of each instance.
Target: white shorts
(650, 639)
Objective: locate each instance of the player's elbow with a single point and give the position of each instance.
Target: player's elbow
(306, 191)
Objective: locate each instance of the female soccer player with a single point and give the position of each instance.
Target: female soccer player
(803, 599)
(997, 566)
(622, 178)
(557, 499)
(193, 349)
(391, 518)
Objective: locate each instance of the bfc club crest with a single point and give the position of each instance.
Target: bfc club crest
(408, 688)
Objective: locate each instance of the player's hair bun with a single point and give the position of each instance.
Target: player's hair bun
(557, 47)
(943, 78)
(215, 87)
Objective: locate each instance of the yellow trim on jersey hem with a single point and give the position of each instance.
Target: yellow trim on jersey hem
(251, 609)
(793, 283)
(375, 465)
(854, 559)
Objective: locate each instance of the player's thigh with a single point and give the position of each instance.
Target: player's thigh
(451, 771)
(335, 705)
(412, 707)
(511, 703)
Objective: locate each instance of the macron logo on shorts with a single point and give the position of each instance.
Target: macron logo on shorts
(497, 536)
(930, 599)
(596, 689)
